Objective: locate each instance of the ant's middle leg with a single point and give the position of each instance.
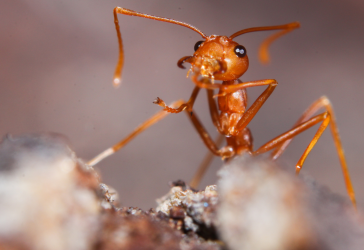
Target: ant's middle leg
(219, 140)
(240, 144)
(225, 152)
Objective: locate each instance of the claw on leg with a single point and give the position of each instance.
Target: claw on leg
(161, 103)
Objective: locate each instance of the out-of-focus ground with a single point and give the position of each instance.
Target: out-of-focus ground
(57, 59)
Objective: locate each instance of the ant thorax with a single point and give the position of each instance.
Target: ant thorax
(232, 107)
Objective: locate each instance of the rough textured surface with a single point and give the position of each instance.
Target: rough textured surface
(261, 207)
(333, 218)
(265, 207)
(195, 209)
(132, 228)
(135, 229)
(49, 199)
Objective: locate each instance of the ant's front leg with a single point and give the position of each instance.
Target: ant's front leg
(254, 108)
(258, 103)
(185, 106)
(244, 120)
(146, 124)
(230, 88)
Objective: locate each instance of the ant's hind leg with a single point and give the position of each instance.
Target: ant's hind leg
(282, 141)
(155, 118)
(322, 102)
(325, 103)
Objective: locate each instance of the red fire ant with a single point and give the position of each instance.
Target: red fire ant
(219, 58)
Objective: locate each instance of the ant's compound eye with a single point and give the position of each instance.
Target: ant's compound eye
(240, 51)
(198, 44)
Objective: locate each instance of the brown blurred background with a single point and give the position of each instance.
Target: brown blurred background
(57, 60)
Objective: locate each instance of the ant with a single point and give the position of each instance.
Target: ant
(219, 58)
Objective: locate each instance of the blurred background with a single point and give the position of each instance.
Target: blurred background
(57, 60)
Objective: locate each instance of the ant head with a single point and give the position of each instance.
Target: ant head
(220, 58)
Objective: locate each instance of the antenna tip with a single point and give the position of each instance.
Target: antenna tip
(116, 82)
(297, 24)
(264, 58)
